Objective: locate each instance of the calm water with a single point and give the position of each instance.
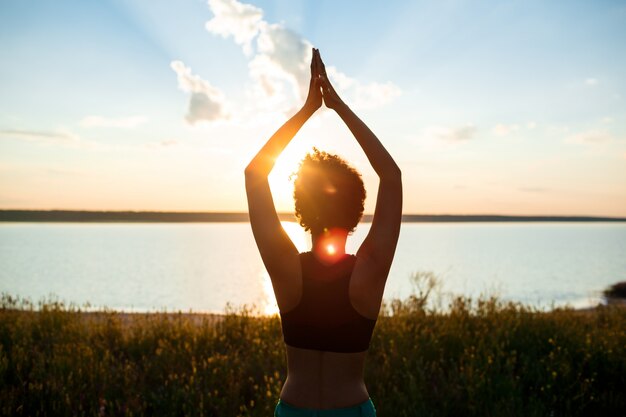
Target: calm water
(203, 266)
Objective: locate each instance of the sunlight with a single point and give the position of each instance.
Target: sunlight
(298, 236)
(286, 164)
(271, 306)
(329, 250)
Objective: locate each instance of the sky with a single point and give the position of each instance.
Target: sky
(488, 107)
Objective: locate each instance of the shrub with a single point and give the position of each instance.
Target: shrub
(480, 357)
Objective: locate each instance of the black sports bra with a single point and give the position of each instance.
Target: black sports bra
(325, 319)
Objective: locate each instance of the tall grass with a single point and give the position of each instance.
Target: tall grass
(478, 358)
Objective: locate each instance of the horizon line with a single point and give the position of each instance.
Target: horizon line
(60, 215)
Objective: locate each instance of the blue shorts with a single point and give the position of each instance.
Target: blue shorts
(365, 409)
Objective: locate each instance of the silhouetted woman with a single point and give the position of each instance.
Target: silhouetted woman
(328, 300)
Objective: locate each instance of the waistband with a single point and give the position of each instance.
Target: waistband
(364, 409)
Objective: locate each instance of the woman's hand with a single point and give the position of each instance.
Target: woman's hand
(331, 98)
(314, 99)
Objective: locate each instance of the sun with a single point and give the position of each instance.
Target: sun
(298, 236)
(280, 184)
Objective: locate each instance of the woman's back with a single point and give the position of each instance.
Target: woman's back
(324, 317)
(326, 338)
(324, 380)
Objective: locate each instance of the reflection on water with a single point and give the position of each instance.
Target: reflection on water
(270, 306)
(202, 266)
(300, 238)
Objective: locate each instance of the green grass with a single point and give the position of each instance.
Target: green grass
(479, 358)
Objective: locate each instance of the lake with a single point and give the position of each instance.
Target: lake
(204, 266)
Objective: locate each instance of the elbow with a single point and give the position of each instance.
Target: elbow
(254, 175)
(251, 171)
(249, 175)
(392, 179)
(397, 172)
(257, 168)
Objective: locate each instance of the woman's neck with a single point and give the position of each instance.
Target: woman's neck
(329, 246)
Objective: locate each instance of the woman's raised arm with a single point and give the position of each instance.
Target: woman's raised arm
(279, 254)
(264, 160)
(379, 246)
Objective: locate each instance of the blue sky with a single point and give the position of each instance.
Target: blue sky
(488, 107)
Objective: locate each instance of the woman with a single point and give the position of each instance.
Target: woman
(328, 300)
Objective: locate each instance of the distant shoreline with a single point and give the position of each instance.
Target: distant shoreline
(77, 216)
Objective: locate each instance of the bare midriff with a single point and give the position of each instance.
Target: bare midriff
(324, 380)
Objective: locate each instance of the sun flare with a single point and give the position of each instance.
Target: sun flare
(279, 179)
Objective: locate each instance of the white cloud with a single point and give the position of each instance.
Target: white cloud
(375, 94)
(504, 130)
(281, 72)
(281, 67)
(60, 136)
(206, 103)
(168, 142)
(451, 134)
(362, 96)
(162, 144)
(279, 62)
(239, 20)
(590, 137)
(534, 189)
(591, 81)
(120, 122)
(62, 172)
(65, 139)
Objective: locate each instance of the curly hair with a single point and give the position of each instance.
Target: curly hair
(328, 193)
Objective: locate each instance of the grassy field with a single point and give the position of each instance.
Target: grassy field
(479, 358)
